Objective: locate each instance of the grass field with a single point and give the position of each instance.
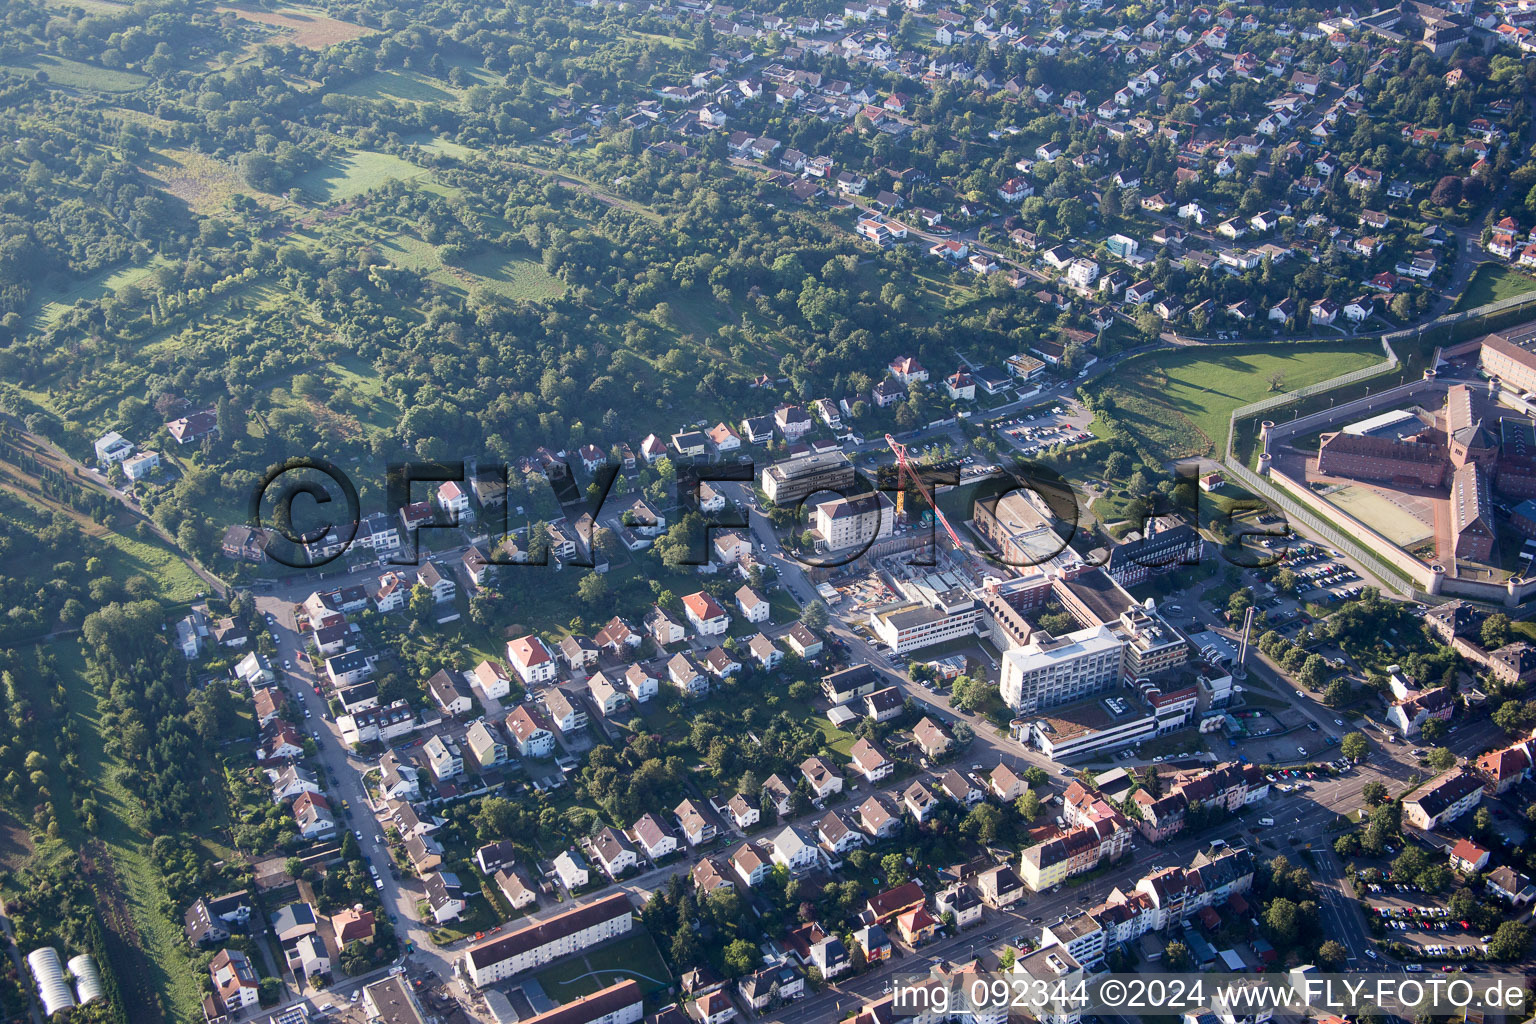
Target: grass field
(1493, 282)
(400, 87)
(75, 74)
(633, 957)
(510, 276)
(55, 302)
(162, 964)
(356, 173)
(301, 26)
(1179, 403)
(446, 147)
(175, 582)
(206, 185)
(1392, 521)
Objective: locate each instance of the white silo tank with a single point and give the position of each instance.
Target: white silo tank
(87, 978)
(49, 974)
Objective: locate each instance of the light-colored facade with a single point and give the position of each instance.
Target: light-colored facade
(541, 942)
(1057, 670)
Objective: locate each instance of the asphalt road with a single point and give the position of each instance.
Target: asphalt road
(336, 760)
(1301, 818)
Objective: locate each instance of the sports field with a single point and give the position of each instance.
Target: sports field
(1179, 403)
(1390, 517)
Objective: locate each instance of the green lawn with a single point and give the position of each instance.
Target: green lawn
(357, 172)
(400, 87)
(1493, 282)
(1179, 403)
(55, 302)
(160, 962)
(633, 957)
(175, 582)
(506, 274)
(75, 74)
(447, 147)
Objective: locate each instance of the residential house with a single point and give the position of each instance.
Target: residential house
(655, 838)
(531, 659)
(531, 732)
(818, 774)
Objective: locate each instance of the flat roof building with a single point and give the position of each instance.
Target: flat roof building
(794, 479)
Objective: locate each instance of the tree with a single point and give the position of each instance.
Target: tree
(1354, 746)
(1440, 759)
(592, 589)
(1281, 920)
(1447, 191)
(1176, 956)
(1510, 941)
(1495, 632)
(1373, 793)
(1313, 671)
(1277, 380)
(1332, 953)
(815, 615)
(983, 824)
(1116, 466)
(1028, 806)
(1338, 693)
(741, 957)
(685, 947)
(1433, 730)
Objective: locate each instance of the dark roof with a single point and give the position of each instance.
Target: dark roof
(1442, 795)
(540, 932)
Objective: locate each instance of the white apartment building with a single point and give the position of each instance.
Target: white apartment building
(1056, 670)
(540, 942)
(860, 520)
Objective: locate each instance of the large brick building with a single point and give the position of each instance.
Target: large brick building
(1472, 513)
(1507, 355)
(1362, 457)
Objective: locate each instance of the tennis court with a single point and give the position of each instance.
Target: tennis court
(1403, 519)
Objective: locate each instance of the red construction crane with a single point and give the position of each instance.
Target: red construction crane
(905, 471)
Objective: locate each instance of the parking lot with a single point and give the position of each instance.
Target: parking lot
(1031, 434)
(1321, 573)
(1410, 916)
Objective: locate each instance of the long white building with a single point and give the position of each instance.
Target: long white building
(541, 942)
(935, 612)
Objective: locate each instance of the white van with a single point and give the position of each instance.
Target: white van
(1266, 822)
